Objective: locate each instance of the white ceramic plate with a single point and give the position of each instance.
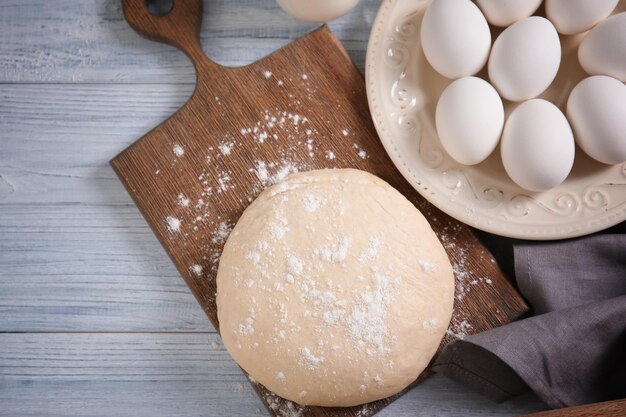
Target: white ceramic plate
(403, 91)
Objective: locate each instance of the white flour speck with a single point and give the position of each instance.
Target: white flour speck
(330, 155)
(196, 269)
(430, 324)
(221, 233)
(278, 230)
(182, 200)
(295, 266)
(253, 257)
(371, 251)
(178, 150)
(361, 152)
(337, 252)
(308, 359)
(312, 202)
(305, 77)
(173, 224)
(226, 148)
(246, 328)
(345, 132)
(427, 266)
(267, 74)
(459, 331)
(280, 376)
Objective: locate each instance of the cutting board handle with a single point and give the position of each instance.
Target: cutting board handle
(179, 27)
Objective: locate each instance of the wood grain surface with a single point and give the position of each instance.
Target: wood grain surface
(303, 106)
(616, 408)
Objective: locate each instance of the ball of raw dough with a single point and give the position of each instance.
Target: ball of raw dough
(333, 290)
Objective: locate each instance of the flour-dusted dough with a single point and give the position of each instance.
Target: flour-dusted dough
(333, 290)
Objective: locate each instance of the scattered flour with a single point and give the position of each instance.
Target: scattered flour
(337, 252)
(369, 253)
(267, 74)
(313, 202)
(459, 330)
(430, 324)
(282, 407)
(178, 150)
(196, 269)
(221, 233)
(367, 320)
(308, 359)
(182, 200)
(246, 328)
(226, 148)
(427, 266)
(360, 151)
(173, 224)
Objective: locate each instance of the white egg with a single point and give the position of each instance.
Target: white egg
(455, 37)
(525, 59)
(317, 11)
(575, 16)
(603, 51)
(507, 12)
(469, 119)
(596, 108)
(537, 146)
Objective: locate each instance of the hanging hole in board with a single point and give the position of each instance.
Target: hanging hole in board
(160, 7)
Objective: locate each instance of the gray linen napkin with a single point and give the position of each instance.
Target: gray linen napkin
(572, 348)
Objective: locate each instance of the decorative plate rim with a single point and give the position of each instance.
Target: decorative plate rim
(567, 228)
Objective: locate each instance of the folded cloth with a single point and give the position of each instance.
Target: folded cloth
(572, 349)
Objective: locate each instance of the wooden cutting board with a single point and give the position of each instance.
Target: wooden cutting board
(303, 107)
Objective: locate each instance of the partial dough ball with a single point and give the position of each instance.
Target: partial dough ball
(596, 108)
(333, 290)
(575, 16)
(469, 119)
(525, 58)
(537, 146)
(603, 51)
(317, 11)
(455, 38)
(506, 12)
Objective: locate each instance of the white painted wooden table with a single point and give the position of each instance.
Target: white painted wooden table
(94, 320)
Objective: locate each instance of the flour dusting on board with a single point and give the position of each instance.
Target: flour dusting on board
(192, 214)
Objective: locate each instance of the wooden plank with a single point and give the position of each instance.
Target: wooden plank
(616, 408)
(88, 268)
(75, 254)
(168, 375)
(88, 41)
(57, 139)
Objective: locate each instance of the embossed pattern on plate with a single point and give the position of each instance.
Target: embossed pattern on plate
(403, 90)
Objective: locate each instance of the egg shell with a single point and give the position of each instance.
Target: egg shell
(596, 109)
(455, 38)
(506, 12)
(525, 58)
(537, 146)
(570, 17)
(317, 11)
(603, 51)
(469, 119)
